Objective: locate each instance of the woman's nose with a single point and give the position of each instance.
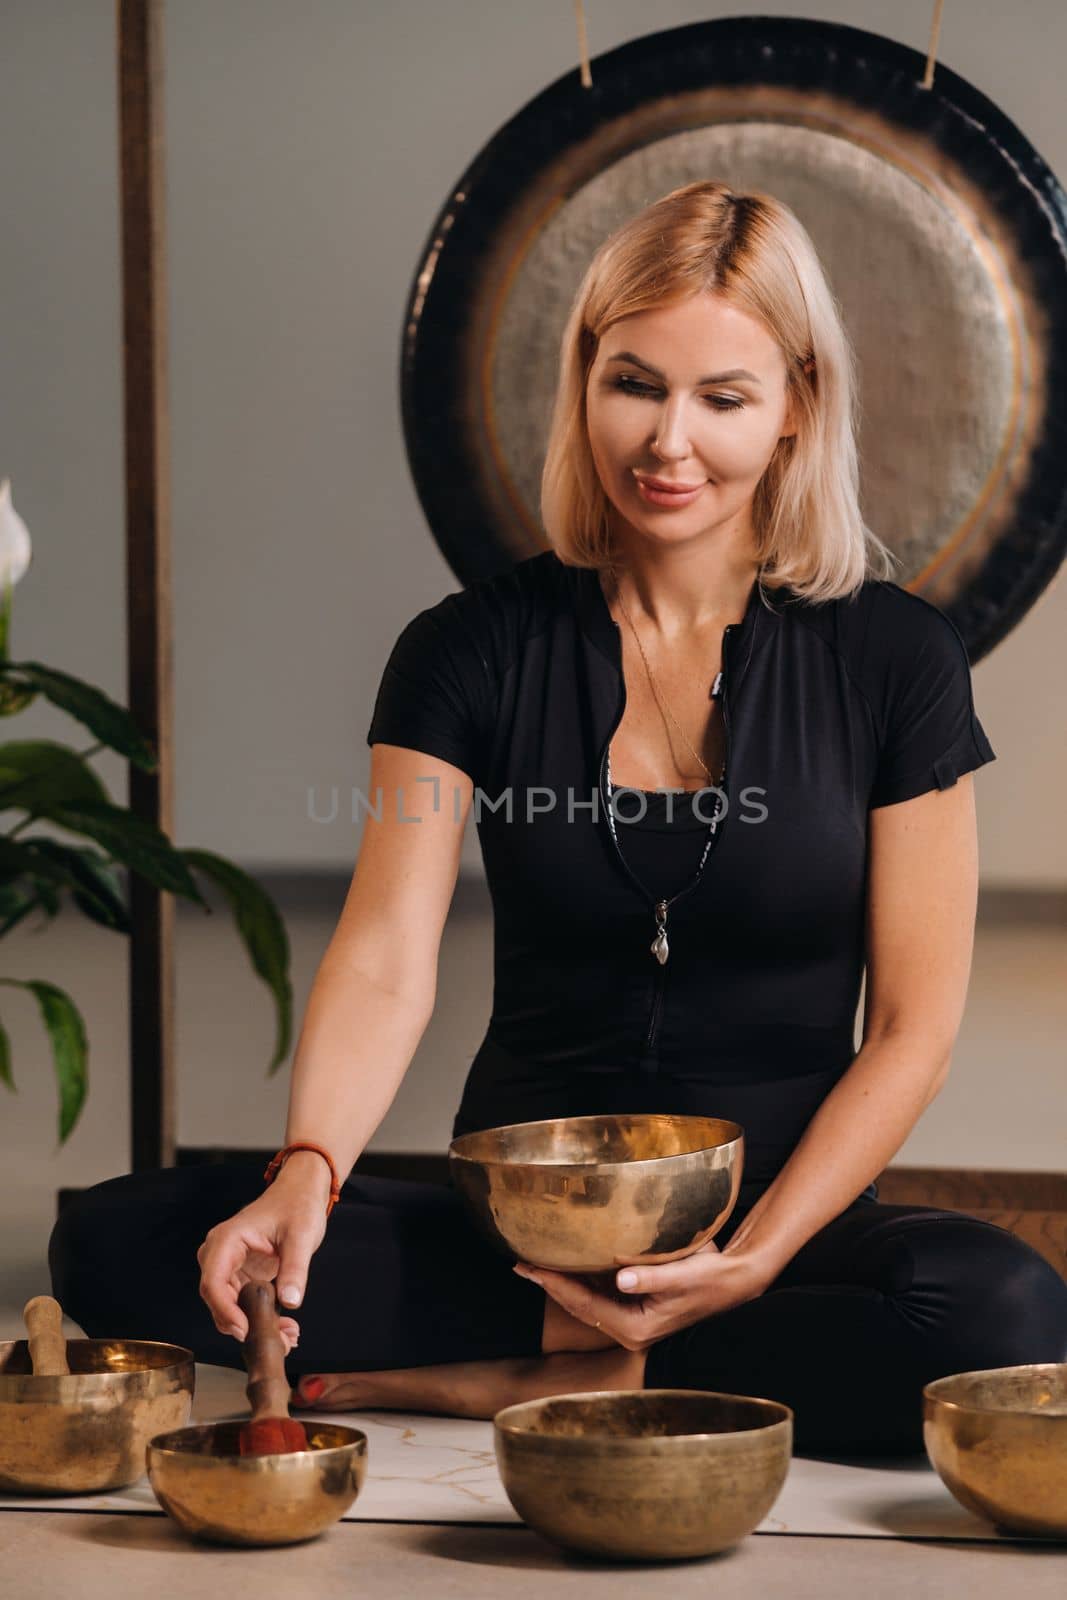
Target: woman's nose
(672, 439)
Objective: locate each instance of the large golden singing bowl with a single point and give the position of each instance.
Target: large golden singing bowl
(999, 1441)
(644, 1473)
(215, 1493)
(588, 1194)
(87, 1432)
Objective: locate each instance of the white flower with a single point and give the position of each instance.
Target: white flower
(16, 552)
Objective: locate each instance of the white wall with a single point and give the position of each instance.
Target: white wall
(309, 146)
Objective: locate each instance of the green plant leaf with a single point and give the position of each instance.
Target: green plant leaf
(19, 858)
(139, 844)
(6, 1075)
(95, 886)
(70, 1050)
(111, 723)
(70, 1047)
(261, 927)
(38, 774)
(14, 905)
(14, 696)
(51, 864)
(12, 897)
(47, 897)
(55, 784)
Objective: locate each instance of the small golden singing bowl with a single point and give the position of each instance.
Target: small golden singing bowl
(588, 1194)
(998, 1439)
(87, 1432)
(644, 1473)
(215, 1493)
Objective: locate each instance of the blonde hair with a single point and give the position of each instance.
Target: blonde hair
(751, 249)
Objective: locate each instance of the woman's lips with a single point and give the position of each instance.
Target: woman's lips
(672, 498)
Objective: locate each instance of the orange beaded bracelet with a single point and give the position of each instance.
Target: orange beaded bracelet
(277, 1163)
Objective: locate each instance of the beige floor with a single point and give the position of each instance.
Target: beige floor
(72, 1557)
(1005, 1105)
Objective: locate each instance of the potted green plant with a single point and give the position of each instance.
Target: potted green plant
(43, 782)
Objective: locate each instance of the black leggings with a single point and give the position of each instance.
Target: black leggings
(880, 1301)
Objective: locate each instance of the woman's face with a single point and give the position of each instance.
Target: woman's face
(693, 394)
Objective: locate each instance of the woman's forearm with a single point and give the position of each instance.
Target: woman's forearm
(852, 1138)
(356, 1043)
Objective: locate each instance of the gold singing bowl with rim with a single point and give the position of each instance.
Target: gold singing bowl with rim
(998, 1439)
(214, 1492)
(638, 1474)
(86, 1431)
(589, 1194)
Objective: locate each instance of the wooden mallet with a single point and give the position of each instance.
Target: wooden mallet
(43, 1317)
(271, 1430)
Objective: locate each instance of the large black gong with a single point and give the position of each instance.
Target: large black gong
(943, 232)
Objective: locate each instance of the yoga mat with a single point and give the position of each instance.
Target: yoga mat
(443, 1469)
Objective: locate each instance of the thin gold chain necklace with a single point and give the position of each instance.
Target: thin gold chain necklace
(660, 697)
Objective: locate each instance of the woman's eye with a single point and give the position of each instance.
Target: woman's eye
(718, 402)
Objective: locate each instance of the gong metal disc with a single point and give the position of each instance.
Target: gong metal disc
(943, 233)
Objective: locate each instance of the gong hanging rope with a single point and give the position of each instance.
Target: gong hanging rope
(935, 34)
(583, 44)
(587, 74)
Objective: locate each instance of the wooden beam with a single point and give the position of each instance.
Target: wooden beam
(148, 569)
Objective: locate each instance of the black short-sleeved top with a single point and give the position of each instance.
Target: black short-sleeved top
(662, 836)
(829, 709)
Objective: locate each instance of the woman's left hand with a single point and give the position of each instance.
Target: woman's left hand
(660, 1299)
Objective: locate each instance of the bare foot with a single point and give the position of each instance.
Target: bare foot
(335, 1391)
(473, 1388)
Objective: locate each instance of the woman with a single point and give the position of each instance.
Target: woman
(713, 631)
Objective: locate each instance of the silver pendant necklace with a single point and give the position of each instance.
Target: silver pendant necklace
(660, 946)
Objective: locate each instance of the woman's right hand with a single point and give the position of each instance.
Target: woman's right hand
(272, 1239)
